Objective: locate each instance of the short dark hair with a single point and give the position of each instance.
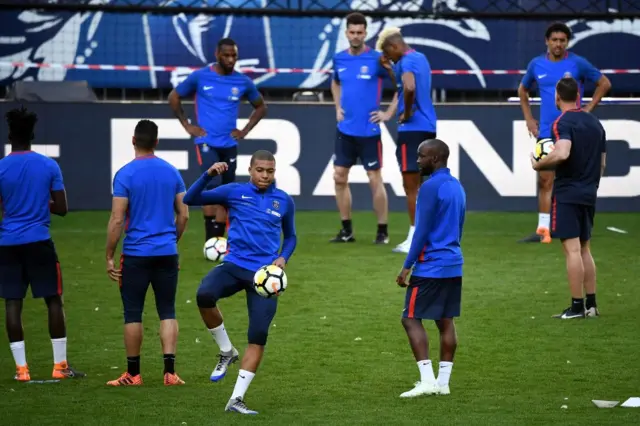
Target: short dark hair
(226, 42)
(21, 124)
(567, 89)
(439, 146)
(262, 155)
(356, 18)
(146, 134)
(558, 27)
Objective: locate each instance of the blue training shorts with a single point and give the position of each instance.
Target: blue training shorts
(570, 220)
(433, 298)
(348, 149)
(407, 149)
(208, 155)
(227, 279)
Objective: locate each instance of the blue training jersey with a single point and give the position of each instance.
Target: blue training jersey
(217, 99)
(360, 77)
(546, 74)
(151, 185)
(440, 213)
(257, 219)
(26, 181)
(424, 114)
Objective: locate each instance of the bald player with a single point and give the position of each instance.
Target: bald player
(435, 262)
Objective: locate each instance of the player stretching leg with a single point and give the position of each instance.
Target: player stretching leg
(546, 70)
(579, 160)
(147, 193)
(259, 214)
(356, 87)
(435, 288)
(31, 188)
(416, 115)
(218, 90)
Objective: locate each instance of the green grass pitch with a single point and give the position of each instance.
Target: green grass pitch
(337, 353)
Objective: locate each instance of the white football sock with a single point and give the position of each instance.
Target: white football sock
(411, 231)
(242, 384)
(59, 350)
(426, 371)
(444, 373)
(221, 338)
(19, 354)
(544, 220)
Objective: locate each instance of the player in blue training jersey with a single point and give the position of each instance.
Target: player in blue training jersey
(147, 204)
(579, 160)
(31, 188)
(357, 88)
(545, 71)
(435, 289)
(416, 115)
(259, 213)
(218, 90)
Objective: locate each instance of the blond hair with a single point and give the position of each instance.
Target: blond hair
(384, 35)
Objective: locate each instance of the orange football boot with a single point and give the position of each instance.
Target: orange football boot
(22, 373)
(62, 371)
(172, 379)
(545, 235)
(126, 379)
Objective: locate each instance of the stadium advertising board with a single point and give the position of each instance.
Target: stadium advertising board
(158, 50)
(489, 152)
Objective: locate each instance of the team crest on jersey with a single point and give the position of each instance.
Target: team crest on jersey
(234, 94)
(276, 204)
(364, 73)
(567, 75)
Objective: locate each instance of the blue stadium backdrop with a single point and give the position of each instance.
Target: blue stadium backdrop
(284, 42)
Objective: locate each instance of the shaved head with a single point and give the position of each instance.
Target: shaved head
(433, 154)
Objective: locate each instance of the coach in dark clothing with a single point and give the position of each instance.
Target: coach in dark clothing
(579, 158)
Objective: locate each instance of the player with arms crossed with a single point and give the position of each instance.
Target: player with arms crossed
(259, 213)
(546, 70)
(356, 88)
(579, 159)
(147, 194)
(416, 114)
(435, 288)
(31, 188)
(218, 89)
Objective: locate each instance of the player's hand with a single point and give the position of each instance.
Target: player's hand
(404, 117)
(385, 62)
(280, 262)
(238, 134)
(534, 163)
(588, 108)
(195, 131)
(217, 169)
(339, 115)
(533, 127)
(113, 273)
(401, 279)
(379, 116)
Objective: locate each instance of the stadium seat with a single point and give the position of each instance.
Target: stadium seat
(308, 96)
(51, 91)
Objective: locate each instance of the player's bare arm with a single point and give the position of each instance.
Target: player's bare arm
(119, 207)
(176, 105)
(409, 86)
(182, 214)
(258, 113)
(58, 205)
(532, 123)
(559, 154)
(380, 116)
(386, 64)
(336, 92)
(603, 85)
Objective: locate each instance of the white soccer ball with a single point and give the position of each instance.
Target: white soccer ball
(543, 148)
(215, 249)
(270, 281)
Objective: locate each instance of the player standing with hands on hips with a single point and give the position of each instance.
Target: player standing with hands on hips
(579, 158)
(546, 70)
(218, 90)
(356, 88)
(416, 114)
(435, 289)
(259, 215)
